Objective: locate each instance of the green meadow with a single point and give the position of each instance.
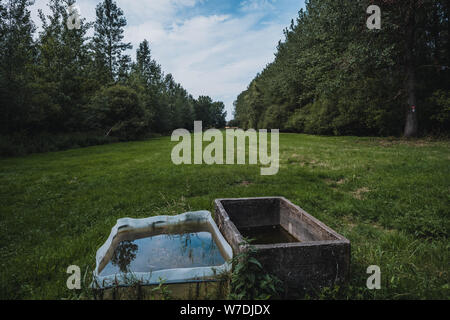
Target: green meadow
(390, 197)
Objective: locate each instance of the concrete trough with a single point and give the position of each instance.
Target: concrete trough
(312, 255)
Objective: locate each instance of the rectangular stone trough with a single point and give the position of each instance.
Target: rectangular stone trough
(291, 244)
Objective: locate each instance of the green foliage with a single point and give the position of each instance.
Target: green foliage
(331, 75)
(438, 112)
(16, 69)
(249, 281)
(61, 82)
(22, 143)
(162, 290)
(110, 61)
(211, 113)
(233, 123)
(317, 117)
(119, 112)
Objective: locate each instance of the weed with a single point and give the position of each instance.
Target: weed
(249, 281)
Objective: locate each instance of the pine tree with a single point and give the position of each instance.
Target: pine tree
(16, 64)
(146, 65)
(63, 69)
(3, 14)
(145, 78)
(109, 48)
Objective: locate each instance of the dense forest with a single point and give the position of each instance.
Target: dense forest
(60, 88)
(333, 75)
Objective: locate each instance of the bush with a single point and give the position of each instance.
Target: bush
(320, 120)
(436, 113)
(20, 144)
(118, 111)
(249, 281)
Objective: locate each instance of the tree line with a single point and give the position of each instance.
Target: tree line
(332, 75)
(58, 80)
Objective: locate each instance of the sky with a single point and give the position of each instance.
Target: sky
(211, 47)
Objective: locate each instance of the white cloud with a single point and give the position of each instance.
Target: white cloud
(215, 55)
(162, 11)
(252, 5)
(212, 55)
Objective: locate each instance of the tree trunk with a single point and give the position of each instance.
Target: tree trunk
(411, 126)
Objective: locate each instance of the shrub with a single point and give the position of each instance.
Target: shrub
(119, 112)
(20, 144)
(249, 281)
(435, 113)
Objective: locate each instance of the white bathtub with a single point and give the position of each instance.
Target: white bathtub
(171, 275)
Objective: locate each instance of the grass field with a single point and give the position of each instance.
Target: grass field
(389, 197)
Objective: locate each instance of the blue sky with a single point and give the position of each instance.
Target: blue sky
(212, 47)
